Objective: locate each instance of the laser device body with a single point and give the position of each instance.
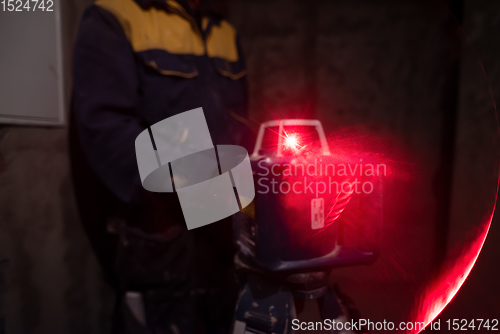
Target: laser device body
(309, 216)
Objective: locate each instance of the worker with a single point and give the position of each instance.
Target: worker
(137, 62)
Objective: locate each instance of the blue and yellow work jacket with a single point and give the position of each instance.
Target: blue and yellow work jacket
(137, 62)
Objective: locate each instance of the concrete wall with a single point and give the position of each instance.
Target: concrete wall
(51, 282)
(366, 69)
(475, 174)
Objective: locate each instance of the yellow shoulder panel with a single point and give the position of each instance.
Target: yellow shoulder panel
(154, 28)
(221, 42)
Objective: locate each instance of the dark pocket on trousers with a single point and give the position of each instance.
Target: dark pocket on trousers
(147, 261)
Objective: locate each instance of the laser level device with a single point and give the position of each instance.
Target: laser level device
(314, 210)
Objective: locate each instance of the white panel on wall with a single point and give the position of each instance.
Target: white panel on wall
(31, 69)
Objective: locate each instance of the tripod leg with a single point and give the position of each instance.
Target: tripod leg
(330, 308)
(264, 307)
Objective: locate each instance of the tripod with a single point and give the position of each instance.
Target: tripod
(268, 304)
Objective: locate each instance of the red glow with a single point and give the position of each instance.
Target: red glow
(447, 284)
(292, 141)
(338, 204)
(428, 296)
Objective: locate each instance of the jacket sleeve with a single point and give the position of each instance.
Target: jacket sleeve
(245, 128)
(105, 95)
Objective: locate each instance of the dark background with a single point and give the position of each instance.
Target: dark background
(399, 77)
